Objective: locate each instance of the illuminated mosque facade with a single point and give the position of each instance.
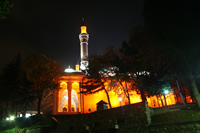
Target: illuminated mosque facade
(68, 99)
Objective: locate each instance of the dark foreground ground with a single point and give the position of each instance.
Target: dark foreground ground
(175, 114)
(165, 115)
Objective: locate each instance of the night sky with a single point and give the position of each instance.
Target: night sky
(52, 28)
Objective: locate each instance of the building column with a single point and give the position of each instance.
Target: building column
(69, 88)
(79, 103)
(55, 101)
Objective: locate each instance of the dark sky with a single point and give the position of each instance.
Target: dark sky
(52, 27)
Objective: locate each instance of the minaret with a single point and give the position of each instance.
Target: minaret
(83, 36)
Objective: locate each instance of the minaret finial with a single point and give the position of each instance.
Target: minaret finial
(83, 21)
(77, 61)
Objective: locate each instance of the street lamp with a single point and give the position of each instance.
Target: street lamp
(12, 118)
(120, 100)
(166, 92)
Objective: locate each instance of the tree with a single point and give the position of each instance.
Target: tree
(43, 72)
(93, 82)
(96, 79)
(25, 94)
(94, 85)
(120, 83)
(144, 67)
(15, 87)
(174, 30)
(5, 6)
(133, 68)
(157, 60)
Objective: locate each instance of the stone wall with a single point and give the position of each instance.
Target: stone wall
(133, 118)
(130, 118)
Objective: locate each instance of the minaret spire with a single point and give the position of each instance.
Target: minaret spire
(83, 36)
(83, 21)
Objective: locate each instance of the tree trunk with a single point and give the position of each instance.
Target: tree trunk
(177, 100)
(6, 111)
(126, 92)
(180, 91)
(13, 107)
(142, 91)
(191, 94)
(165, 100)
(192, 83)
(177, 97)
(193, 87)
(184, 94)
(161, 101)
(108, 98)
(195, 91)
(39, 103)
(143, 95)
(24, 111)
(128, 96)
(158, 100)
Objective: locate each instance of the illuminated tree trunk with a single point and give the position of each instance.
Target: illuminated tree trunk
(192, 97)
(142, 92)
(177, 100)
(126, 91)
(180, 91)
(161, 100)
(108, 98)
(158, 100)
(184, 94)
(128, 96)
(165, 100)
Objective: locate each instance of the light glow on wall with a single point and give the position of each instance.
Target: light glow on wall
(116, 96)
(156, 102)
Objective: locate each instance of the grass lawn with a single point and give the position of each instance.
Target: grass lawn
(184, 115)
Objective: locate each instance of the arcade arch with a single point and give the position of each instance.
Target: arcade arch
(64, 97)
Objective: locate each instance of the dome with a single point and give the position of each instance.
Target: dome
(69, 70)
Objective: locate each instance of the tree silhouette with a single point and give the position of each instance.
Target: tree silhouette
(15, 87)
(43, 72)
(5, 6)
(172, 32)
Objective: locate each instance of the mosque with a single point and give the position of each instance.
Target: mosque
(68, 99)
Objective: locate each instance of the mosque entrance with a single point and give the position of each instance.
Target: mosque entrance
(65, 101)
